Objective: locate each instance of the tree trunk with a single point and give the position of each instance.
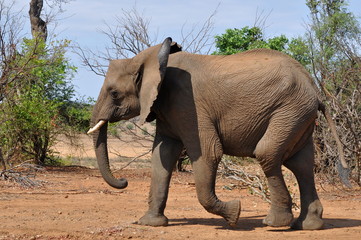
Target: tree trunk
(2, 160)
(38, 25)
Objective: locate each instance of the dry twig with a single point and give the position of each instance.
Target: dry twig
(22, 174)
(254, 182)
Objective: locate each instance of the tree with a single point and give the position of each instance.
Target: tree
(38, 25)
(246, 38)
(9, 38)
(334, 40)
(30, 111)
(298, 49)
(35, 82)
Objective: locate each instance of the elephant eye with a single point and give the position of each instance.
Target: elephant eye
(114, 94)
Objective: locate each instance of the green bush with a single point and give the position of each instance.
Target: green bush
(240, 40)
(30, 111)
(77, 114)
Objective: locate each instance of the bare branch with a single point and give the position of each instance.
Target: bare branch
(131, 35)
(133, 160)
(199, 40)
(261, 19)
(95, 62)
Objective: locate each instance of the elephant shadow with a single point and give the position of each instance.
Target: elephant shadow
(332, 223)
(244, 224)
(253, 222)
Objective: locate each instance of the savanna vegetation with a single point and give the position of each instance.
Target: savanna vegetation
(36, 94)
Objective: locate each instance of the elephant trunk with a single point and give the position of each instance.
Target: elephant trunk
(101, 151)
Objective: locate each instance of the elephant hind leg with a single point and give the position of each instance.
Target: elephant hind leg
(280, 213)
(283, 137)
(269, 152)
(301, 164)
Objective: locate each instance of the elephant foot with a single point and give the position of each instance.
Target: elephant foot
(232, 212)
(278, 217)
(155, 220)
(310, 223)
(312, 220)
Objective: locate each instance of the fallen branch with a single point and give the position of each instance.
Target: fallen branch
(22, 177)
(255, 183)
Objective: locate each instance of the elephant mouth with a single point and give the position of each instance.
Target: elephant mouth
(118, 114)
(123, 114)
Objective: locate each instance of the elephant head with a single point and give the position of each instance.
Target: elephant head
(130, 88)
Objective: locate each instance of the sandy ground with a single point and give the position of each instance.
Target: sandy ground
(75, 203)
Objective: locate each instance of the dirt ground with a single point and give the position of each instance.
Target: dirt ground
(75, 203)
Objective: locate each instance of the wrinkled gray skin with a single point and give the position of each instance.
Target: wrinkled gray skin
(259, 104)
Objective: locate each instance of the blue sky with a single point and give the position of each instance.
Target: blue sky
(83, 19)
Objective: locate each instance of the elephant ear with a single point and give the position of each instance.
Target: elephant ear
(155, 62)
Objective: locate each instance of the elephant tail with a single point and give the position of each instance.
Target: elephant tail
(342, 167)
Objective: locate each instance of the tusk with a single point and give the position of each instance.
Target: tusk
(97, 126)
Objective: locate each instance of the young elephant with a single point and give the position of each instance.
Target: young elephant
(260, 104)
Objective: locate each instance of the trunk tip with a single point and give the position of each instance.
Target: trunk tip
(118, 183)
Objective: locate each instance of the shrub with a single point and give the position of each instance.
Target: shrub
(30, 110)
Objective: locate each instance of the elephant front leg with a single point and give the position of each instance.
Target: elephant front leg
(166, 151)
(205, 175)
(205, 158)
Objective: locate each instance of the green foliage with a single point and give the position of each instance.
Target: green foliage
(77, 114)
(332, 25)
(30, 110)
(130, 126)
(145, 131)
(335, 31)
(299, 50)
(246, 38)
(277, 43)
(237, 40)
(240, 40)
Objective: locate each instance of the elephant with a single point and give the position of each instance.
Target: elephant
(260, 103)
